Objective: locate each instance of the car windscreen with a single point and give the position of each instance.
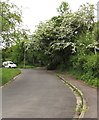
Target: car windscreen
(11, 62)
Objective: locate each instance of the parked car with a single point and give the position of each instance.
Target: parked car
(9, 64)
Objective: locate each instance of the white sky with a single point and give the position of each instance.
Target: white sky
(35, 11)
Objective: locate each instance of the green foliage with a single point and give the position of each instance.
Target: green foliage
(57, 39)
(63, 8)
(14, 38)
(10, 19)
(8, 74)
(26, 66)
(86, 59)
(18, 53)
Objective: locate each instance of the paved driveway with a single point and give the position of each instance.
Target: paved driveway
(37, 94)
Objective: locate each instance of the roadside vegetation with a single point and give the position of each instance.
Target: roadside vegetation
(8, 74)
(26, 66)
(67, 42)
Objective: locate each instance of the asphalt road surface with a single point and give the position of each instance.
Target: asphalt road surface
(37, 94)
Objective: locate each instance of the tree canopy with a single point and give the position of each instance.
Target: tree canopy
(10, 22)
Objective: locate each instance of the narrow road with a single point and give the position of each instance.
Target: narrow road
(37, 94)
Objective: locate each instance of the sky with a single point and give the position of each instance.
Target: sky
(35, 11)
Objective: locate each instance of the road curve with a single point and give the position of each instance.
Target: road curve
(37, 94)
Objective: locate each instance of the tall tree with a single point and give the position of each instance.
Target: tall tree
(10, 19)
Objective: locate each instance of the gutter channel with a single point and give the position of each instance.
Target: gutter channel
(81, 104)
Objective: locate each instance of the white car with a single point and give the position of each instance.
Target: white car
(9, 64)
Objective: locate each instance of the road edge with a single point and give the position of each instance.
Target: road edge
(81, 104)
(12, 80)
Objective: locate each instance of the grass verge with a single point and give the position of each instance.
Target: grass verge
(8, 74)
(87, 78)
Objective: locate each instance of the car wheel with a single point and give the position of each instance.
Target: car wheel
(9, 66)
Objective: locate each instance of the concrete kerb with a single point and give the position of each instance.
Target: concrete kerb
(81, 105)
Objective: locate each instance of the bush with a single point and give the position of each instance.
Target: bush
(87, 67)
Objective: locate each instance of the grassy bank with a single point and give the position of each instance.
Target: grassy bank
(7, 74)
(89, 79)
